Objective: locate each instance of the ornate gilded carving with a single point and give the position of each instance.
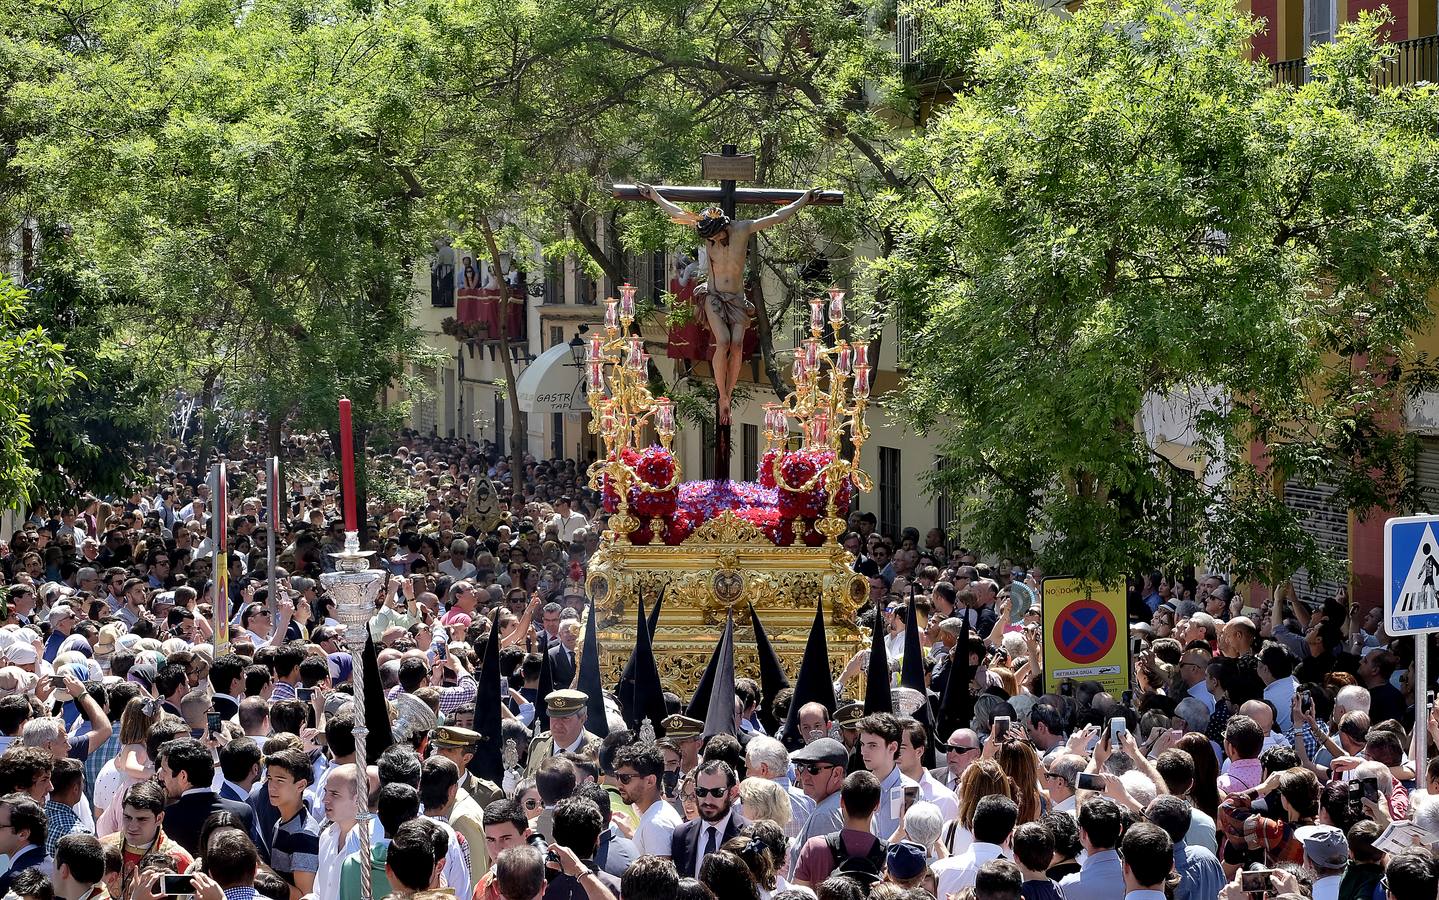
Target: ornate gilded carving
(726, 528)
(726, 564)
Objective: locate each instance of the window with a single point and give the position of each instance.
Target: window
(1319, 16)
(889, 487)
(500, 422)
(557, 335)
(749, 439)
(1328, 523)
(945, 511)
(554, 283)
(658, 283)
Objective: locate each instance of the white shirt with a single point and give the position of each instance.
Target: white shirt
(657, 827)
(1326, 888)
(465, 569)
(932, 790)
(957, 872)
(568, 525)
(456, 871)
(1144, 895)
(332, 857)
(705, 827)
(1201, 693)
(1281, 694)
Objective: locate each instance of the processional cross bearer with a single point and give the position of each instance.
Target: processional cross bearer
(726, 238)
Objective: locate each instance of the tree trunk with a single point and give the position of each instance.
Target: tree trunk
(207, 420)
(771, 366)
(518, 427)
(613, 271)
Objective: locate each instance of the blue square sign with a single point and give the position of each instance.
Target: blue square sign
(1411, 575)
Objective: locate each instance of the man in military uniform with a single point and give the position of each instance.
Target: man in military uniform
(847, 718)
(468, 816)
(567, 711)
(684, 734)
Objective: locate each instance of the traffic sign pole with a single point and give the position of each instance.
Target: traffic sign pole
(1420, 684)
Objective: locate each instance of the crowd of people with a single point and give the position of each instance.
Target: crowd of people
(1264, 749)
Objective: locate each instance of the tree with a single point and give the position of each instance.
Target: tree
(33, 372)
(244, 183)
(1119, 205)
(88, 440)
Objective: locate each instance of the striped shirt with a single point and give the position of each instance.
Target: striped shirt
(295, 845)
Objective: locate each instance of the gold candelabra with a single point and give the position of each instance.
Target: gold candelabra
(831, 391)
(621, 406)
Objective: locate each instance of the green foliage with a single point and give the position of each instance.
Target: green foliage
(1123, 207)
(33, 372)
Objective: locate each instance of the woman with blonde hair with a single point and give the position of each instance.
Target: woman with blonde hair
(132, 764)
(1019, 761)
(1004, 679)
(763, 799)
(982, 778)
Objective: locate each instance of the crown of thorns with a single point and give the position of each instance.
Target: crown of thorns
(712, 222)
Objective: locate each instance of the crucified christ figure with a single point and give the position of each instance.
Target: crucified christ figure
(725, 305)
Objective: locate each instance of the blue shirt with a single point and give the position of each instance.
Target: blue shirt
(1200, 875)
(1100, 878)
(891, 803)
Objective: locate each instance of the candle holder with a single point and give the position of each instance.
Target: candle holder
(355, 586)
(831, 391)
(621, 406)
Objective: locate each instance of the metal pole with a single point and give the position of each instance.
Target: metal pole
(1421, 711)
(219, 534)
(276, 494)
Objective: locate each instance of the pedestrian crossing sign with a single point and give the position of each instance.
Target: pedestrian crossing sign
(1411, 575)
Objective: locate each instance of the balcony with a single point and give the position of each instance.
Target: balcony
(1415, 60)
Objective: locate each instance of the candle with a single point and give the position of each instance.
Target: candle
(799, 367)
(612, 320)
(836, 307)
(861, 355)
(627, 301)
(347, 463)
(842, 359)
(816, 314)
(861, 381)
(597, 378)
(597, 349)
(811, 354)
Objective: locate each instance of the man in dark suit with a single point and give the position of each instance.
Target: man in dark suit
(186, 772)
(22, 836)
(562, 654)
(716, 789)
(227, 677)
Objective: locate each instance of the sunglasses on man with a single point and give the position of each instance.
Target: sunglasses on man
(711, 792)
(814, 768)
(958, 748)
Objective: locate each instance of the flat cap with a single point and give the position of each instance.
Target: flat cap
(823, 750)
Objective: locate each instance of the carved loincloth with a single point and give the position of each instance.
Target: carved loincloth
(732, 307)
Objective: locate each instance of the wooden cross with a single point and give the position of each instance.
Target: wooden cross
(728, 167)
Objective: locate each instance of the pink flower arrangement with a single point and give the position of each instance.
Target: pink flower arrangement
(770, 507)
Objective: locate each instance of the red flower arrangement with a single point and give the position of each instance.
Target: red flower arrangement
(770, 507)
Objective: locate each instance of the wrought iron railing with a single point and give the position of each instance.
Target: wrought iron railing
(1417, 60)
(1414, 61)
(1290, 72)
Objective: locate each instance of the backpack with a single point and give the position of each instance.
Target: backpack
(863, 870)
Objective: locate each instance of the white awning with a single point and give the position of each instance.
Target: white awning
(552, 383)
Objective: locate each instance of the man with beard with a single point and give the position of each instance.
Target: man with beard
(716, 788)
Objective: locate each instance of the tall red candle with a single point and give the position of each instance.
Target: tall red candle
(347, 464)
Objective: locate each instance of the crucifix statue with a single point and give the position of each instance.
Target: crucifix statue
(726, 242)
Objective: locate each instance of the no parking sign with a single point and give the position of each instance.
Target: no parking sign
(1086, 634)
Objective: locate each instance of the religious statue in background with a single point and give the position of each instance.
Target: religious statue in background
(726, 307)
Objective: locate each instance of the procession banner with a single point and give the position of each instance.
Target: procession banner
(1086, 635)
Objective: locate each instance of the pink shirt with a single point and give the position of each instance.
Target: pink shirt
(1243, 774)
